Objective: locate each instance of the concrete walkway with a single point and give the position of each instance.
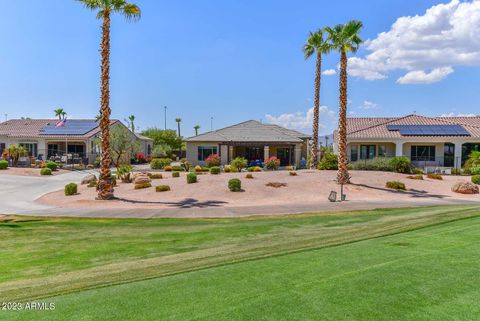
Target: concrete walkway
(18, 195)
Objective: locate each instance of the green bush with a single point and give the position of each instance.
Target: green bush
(234, 185)
(215, 170)
(124, 172)
(251, 169)
(329, 161)
(472, 161)
(71, 189)
(155, 175)
(249, 176)
(227, 168)
(143, 185)
(178, 168)
(239, 163)
(476, 179)
(160, 163)
(52, 165)
(435, 176)
(92, 184)
(416, 176)
(191, 178)
(473, 170)
(374, 164)
(417, 171)
(396, 185)
(456, 171)
(162, 188)
(45, 171)
(3, 164)
(401, 164)
(175, 174)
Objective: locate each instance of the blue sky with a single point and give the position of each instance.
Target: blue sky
(237, 60)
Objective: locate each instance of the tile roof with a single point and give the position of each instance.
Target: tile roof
(31, 128)
(377, 127)
(251, 131)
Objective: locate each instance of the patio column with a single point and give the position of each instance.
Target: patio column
(399, 148)
(230, 153)
(298, 154)
(457, 154)
(266, 152)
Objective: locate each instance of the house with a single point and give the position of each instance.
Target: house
(427, 141)
(47, 138)
(252, 140)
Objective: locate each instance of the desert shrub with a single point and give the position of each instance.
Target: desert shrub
(417, 171)
(143, 185)
(257, 169)
(417, 176)
(215, 170)
(175, 174)
(272, 163)
(374, 164)
(234, 185)
(276, 184)
(159, 163)
(227, 168)
(401, 164)
(191, 178)
(472, 161)
(177, 168)
(329, 161)
(473, 170)
(168, 168)
(124, 172)
(161, 151)
(435, 176)
(3, 164)
(155, 175)
(249, 176)
(162, 188)
(396, 185)
(198, 169)
(290, 168)
(251, 169)
(52, 165)
(92, 184)
(71, 189)
(213, 160)
(456, 171)
(239, 163)
(476, 179)
(45, 171)
(292, 173)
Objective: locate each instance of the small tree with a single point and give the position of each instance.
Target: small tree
(164, 137)
(122, 145)
(239, 163)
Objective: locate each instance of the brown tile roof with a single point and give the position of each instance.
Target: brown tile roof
(377, 127)
(30, 128)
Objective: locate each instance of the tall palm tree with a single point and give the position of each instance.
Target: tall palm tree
(178, 120)
(60, 113)
(196, 127)
(104, 10)
(316, 44)
(131, 121)
(344, 39)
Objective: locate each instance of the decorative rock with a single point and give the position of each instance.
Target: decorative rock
(141, 179)
(88, 179)
(464, 187)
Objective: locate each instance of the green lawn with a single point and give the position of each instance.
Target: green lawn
(309, 267)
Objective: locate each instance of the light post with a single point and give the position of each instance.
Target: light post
(211, 124)
(165, 107)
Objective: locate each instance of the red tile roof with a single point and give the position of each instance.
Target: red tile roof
(377, 127)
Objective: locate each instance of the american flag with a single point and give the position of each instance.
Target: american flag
(61, 123)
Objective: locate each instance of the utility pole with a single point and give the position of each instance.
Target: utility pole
(165, 107)
(211, 124)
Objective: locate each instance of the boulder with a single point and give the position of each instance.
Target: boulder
(142, 179)
(465, 187)
(89, 179)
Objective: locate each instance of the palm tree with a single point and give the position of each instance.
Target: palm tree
(60, 113)
(316, 44)
(178, 120)
(344, 39)
(131, 120)
(196, 127)
(104, 10)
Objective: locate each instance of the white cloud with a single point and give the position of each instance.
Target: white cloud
(329, 72)
(303, 120)
(443, 37)
(421, 77)
(457, 115)
(367, 104)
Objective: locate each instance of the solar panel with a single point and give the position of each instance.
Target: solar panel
(429, 130)
(71, 127)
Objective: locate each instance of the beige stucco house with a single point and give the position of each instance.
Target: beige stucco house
(251, 139)
(427, 141)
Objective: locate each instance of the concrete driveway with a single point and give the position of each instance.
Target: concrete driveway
(18, 193)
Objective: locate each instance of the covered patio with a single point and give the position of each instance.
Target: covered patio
(256, 153)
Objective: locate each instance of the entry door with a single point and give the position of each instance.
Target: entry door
(283, 154)
(449, 155)
(367, 151)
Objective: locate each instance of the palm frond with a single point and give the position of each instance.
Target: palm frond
(92, 4)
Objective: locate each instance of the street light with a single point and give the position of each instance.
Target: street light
(165, 107)
(211, 124)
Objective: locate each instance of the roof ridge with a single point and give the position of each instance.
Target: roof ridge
(230, 126)
(381, 124)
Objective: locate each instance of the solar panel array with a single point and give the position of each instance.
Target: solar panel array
(429, 130)
(71, 127)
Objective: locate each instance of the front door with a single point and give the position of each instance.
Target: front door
(283, 154)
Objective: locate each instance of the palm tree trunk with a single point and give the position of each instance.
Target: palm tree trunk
(342, 174)
(316, 114)
(105, 184)
(178, 125)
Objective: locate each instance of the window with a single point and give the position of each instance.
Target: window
(205, 151)
(382, 150)
(2, 148)
(31, 148)
(423, 153)
(354, 153)
(367, 151)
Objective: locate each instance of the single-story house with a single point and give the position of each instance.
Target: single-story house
(46, 138)
(252, 140)
(427, 141)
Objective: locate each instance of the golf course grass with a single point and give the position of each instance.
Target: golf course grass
(311, 267)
